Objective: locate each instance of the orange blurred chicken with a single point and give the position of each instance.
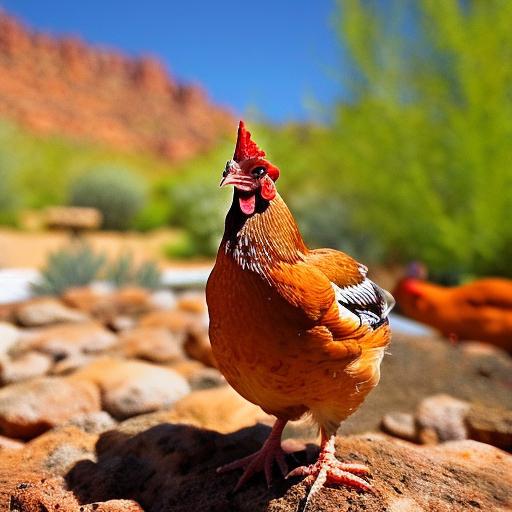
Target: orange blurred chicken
(481, 310)
(293, 330)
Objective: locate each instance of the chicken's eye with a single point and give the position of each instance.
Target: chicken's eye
(258, 172)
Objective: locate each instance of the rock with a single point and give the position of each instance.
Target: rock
(441, 418)
(175, 321)
(163, 299)
(93, 422)
(221, 409)
(61, 341)
(27, 409)
(419, 367)
(186, 367)
(72, 363)
(9, 336)
(491, 425)
(122, 323)
(46, 311)
(400, 424)
(153, 344)
(6, 443)
(25, 366)
(193, 302)
(129, 388)
(172, 467)
(106, 304)
(206, 378)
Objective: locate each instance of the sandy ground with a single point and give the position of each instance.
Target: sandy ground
(31, 248)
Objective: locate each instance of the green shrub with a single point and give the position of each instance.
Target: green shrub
(123, 271)
(9, 196)
(181, 249)
(117, 193)
(200, 208)
(77, 265)
(154, 215)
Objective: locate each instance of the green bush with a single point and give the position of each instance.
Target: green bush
(117, 193)
(9, 197)
(123, 271)
(80, 265)
(77, 265)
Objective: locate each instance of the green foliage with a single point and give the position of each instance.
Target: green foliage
(117, 193)
(424, 146)
(70, 267)
(181, 249)
(79, 265)
(123, 271)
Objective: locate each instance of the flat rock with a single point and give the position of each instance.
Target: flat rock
(442, 418)
(130, 387)
(6, 443)
(93, 422)
(155, 344)
(66, 340)
(400, 424)
(46, 311)
(29, 408)
(192, 301)
(9, 336)
(172, 467)
(105, 303)
(492, 425)
(174, 320)
(24, 366)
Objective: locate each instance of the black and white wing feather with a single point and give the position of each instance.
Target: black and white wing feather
(366, 300)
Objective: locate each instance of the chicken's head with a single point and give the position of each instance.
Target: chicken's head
(250, 173)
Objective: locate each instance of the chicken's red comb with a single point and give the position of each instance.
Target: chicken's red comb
(245, 147)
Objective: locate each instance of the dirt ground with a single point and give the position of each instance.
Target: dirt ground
(31, 248)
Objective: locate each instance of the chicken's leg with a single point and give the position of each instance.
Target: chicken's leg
(328, 469)
(263, 459)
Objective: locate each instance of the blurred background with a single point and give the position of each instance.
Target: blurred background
(391, 122)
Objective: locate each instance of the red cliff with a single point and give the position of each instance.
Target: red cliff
(64, 86)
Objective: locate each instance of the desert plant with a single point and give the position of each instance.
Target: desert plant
(118, 193)
(123, 271)
(77, 265)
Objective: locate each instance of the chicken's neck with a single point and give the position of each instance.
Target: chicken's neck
(263, 239)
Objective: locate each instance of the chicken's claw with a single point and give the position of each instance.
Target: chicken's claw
(263, 459)
(328, 469)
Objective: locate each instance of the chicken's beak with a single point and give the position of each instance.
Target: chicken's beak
(233, 175)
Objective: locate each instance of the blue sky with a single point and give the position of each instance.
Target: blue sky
(272, 57)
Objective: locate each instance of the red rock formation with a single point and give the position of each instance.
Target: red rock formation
(64, 86)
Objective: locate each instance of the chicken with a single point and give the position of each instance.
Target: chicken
(293, 330)
(481, 310)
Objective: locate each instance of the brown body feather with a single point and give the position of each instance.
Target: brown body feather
(275, 325)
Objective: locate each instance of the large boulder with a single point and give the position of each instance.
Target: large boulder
(172, 467)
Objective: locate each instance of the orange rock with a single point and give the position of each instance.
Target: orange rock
(221, 409)
(66, 340)
(27, 409)
(46, 311)
(193, 302)
(152, 343)
(174, 320)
